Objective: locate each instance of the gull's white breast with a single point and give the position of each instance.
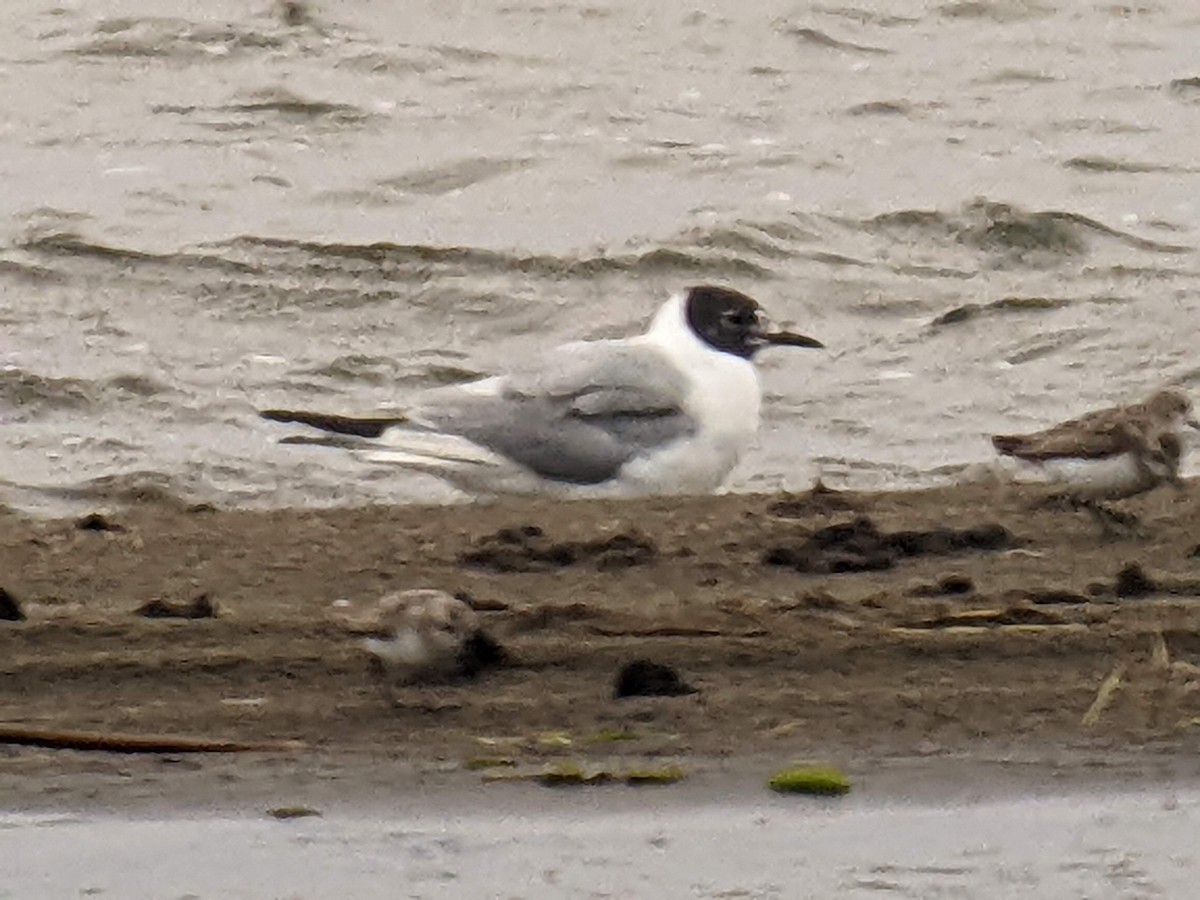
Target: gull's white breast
(723, 398)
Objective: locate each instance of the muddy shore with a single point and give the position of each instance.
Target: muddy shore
(850, 627)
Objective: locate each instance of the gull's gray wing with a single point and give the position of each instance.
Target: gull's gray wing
(578, 416)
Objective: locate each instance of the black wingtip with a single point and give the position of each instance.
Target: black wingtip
(367, 427)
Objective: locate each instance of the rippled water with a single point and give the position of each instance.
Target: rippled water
(988, 209)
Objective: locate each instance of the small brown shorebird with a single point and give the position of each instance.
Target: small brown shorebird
(1110, 454)
(420, 635)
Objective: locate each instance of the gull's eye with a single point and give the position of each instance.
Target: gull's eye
(739, 318)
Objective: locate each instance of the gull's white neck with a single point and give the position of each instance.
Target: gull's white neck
(723, 397)
(671, 333)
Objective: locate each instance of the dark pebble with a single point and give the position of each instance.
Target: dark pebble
(10, 609)
(1133, 582)
(643, 678)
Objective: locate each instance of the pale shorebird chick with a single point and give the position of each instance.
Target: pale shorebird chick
(420, 636)
(1110, 454)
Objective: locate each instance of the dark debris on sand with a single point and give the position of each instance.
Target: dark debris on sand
(200, 607)
(97, 522)
(859, 546)
(946, 586)
(1132, 581)
(821, 500)
(1049, 596)
(10, 609)
(479, 652)
(481, 604)
(643, 678)
(528, 549)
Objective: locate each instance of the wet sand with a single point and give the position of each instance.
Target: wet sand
(997, 646)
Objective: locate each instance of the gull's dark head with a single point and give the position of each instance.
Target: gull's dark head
(731, 322)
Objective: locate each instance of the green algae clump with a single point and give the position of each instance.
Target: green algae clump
(821, 781)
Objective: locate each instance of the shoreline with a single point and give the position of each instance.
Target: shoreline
(366, 785)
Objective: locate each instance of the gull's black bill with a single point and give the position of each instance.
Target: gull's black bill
(790, 339)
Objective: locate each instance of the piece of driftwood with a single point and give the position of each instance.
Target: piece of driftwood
(134, 743)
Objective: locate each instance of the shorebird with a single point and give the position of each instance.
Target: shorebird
(668, 411)
(1110, 454)
(419, 636)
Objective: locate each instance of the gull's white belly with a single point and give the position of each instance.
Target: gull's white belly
(724, 401)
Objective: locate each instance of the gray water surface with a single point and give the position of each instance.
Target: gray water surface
(990, 211)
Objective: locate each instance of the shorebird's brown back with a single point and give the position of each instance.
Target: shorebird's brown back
(1101, 433)
(1094, 436)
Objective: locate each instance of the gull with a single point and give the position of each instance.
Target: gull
(665, 412)
(1110, 454)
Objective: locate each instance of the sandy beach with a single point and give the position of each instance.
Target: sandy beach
(980, 624)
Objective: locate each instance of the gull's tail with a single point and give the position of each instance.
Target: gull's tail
(402, 441)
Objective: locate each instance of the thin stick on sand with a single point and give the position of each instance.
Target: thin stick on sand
(134, 743)
(1108, 689)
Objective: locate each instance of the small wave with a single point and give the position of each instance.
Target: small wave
(408, 59)
(740, 241)
(882, 108)
(259, 107)
(996, 10)
(387, 370)
(283, 101)
(27, 272)
(971, 312)
(28, 392)
(865, 16)
(1005, 230)
(660, 260)
(68, 244)
(123, 489)
(816, 38)
(1044, 345)
(136, 386)
(454, 176)
(1106, 164)
(268, 296)
(1104, 125)
(170, 37)
(834, 259)
(1017, 77)
(379, 61)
